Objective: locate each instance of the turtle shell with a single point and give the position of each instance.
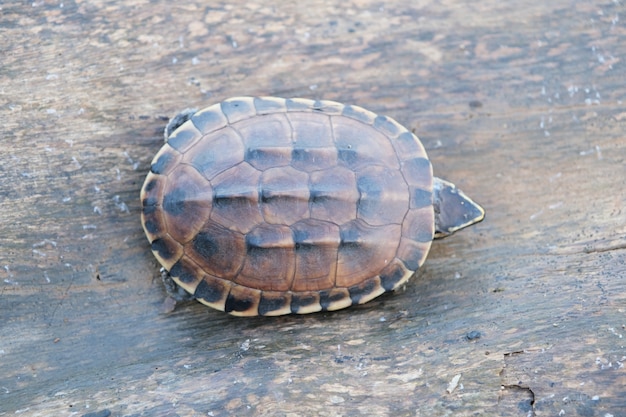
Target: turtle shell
(270, 206)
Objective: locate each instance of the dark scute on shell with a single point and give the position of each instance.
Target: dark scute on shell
(301, 301)
(371, 186)
(150, 186)
(299, 154)
(151, 226)
(390, 278)
(348, 156)
(237, 304)
(294, 105)
(206, 120)
(174, 201)
(350, 237)
(160, 165)
(386, 125)
(319, 196)
(417, 168)
(412, 260)
(269, 304)
(327, 298)
(263, 106)
(407, 146)
(300, 236)
(210, 292)
(358, 291)
(149, 205)
(206, 245)
(420, 198)
(350, 111)
(181, 139)
(235, 107)
(163, 248)
(183, 273)
(177, 121)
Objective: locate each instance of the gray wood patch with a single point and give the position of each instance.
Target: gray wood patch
(520, 104)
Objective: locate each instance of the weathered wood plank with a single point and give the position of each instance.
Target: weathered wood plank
(520, 104)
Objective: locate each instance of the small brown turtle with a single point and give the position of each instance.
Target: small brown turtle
(270, 206)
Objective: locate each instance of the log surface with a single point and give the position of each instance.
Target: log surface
(521, 104)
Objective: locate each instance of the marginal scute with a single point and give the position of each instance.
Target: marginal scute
(299, 104)
(388, 126)
(274, 303)
(267, 105)
(413, 253)
(328, 107)
(305, 302)
(366, 291)
(394, 275)
(184, 137)
(187, 273)
(150, 184)
(151, 214)
(212, 290)
(210, 119)
(360, 114)
(167, 251)
(238, 108)
(149, 206)
(407, 147)
(165, 161)
(242, 301)
(335, 299)
(151, 226)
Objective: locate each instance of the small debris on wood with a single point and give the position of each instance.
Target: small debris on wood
(335, 399)
(453, 383)
(168, 305)
(473, 335)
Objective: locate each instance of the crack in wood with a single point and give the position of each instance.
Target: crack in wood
(605, 249)
(587, 248)
(527, 401)
(523, 388)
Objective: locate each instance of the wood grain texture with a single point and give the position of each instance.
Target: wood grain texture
(521, 104)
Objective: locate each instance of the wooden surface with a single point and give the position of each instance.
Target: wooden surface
(521, 104)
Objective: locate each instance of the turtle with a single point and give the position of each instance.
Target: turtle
(270, 206)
